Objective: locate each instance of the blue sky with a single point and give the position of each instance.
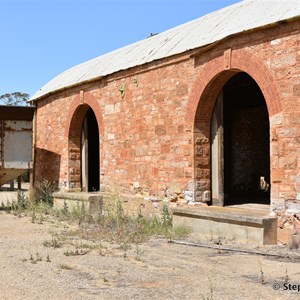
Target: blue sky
(42, 38)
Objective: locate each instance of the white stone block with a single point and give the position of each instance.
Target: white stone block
(109, 109)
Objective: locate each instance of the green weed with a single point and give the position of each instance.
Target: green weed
(65, 267)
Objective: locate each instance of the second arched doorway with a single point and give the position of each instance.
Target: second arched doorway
(240, 147)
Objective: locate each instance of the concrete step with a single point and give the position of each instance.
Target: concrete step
(241, 224)
(92, 202)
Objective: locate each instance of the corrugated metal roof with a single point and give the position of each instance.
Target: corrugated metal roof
(245, 15)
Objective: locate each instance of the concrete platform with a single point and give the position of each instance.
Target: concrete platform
(241, 224)
(93, 202)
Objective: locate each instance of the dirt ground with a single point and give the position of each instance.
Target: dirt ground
(43, 260)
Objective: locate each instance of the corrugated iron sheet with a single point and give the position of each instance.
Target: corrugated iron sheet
(245, 15)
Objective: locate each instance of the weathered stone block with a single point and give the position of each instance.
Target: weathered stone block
(202, 185)
(200, 162)
(296, 90)
(198, 196)
(277, 176)
(278, 204)
(201, 140)
(160, 129)
(199, 150)
(182, 90)
(293, 207)
(206, 196)
(117, 107)
(109, 109)
(202, 173)
(287, 162)
(276, 120)
(111, 136)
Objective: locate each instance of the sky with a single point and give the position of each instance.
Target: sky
(42, 38)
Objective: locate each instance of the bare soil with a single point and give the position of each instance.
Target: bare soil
(45, 260)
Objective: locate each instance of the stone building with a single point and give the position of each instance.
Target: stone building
(207, 111)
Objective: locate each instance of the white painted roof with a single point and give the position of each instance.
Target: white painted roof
(245, 15)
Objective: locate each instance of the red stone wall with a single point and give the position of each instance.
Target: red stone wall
(143, 134)
(150, 136)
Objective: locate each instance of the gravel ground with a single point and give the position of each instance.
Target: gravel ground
(154, 270)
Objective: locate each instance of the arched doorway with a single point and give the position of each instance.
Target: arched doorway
(84, 150)
(90, 176)
(240, 144)
(208, 85)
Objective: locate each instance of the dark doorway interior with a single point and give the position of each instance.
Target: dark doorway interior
(91, 158)
(246, 142)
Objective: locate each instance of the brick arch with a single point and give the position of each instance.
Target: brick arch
(77, 112)
(89, 100)
(211, 79)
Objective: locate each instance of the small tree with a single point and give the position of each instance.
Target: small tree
(13, 99)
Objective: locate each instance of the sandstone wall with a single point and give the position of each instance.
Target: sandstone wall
(154, 120)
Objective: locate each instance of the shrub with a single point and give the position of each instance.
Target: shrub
(44, 193)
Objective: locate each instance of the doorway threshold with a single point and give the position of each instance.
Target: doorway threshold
(241, 224)
(253, 206)
(92, 202)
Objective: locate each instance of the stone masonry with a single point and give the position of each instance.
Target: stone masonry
(154, 120)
